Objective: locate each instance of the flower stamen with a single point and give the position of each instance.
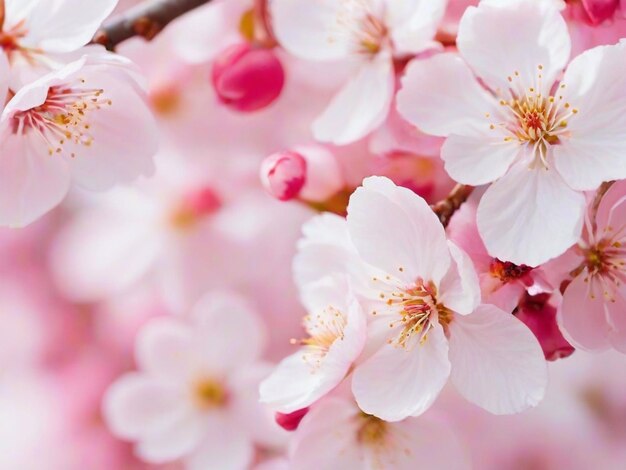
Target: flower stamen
(64, 116)
(324, 329)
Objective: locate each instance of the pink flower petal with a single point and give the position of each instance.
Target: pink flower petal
(583, 318)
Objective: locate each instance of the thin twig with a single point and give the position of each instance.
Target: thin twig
(446, 208)
(146, 20)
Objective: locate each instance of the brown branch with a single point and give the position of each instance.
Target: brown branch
(446, 208)
(146, 20)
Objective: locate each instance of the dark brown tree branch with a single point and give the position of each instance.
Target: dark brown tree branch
(146, 20)
(446, 208)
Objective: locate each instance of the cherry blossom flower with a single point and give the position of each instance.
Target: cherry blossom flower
(86, 123)
(336, 435)
(147, 233)
(37, 35)
(366, 32)
(593, 310)
(195, 395)
(422, 297)
(540, 142)
(337, 329)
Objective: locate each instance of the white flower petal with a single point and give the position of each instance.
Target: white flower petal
(136, 404)
(530, 215)
(479, 159)
(326, 438)
(309, 29)
(18, 10)
(174, 441)
(497, 362)
(441, 96)
(325, 249)
(460, 289)
(396, 383)
(500, 38)
(66, 25)
(164, 348)
(104, 251)
(360, 106)
(295, 384)
(124, 134)
(594, 149)
(229, 332)
(396, 231)
(261, 426)
(32, 182)
(413, 23)
(225, 445)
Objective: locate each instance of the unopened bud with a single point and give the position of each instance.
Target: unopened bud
(310, 173)
(290, 421)
(540, 317)
(247, 78)
(283, 175)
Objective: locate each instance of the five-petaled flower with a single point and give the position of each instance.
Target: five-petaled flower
(509, 121)
(422, 297)
(87, 123)
(195, 396)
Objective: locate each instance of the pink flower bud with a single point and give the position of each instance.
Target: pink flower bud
(290, 421)
(284, 174)
(310, 173)
(246, 78)
(540, 317)
(599, 11)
